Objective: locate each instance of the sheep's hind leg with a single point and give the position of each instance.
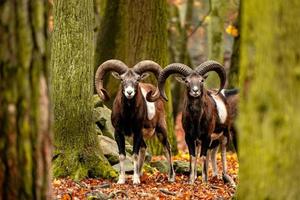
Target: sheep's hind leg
(214, 161)
(162, 136)
(226, 177)
(141, 158)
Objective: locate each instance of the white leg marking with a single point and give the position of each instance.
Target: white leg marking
(136, 177)
(198, 149)
(214, 161)
(122, 169)
(192, 169)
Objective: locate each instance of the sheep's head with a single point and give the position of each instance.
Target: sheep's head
(193, 79)
(194, 83)
(129, 77)
(129, 82)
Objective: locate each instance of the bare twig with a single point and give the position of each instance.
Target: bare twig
(167, 192)
(202, 20)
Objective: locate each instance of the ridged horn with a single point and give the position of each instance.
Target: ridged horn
(148, 66)
(211, 65)
(174, 68)
(109, 65)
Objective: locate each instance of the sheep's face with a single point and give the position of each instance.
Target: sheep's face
(194, 84)
(129, 82)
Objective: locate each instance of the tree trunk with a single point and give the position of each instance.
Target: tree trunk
(269, 109)
(233, 74)
(215, 36)
(25, 139)
(77, 152)
(139, 32)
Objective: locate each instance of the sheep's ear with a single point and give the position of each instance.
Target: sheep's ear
(143, 76)
(205, 76)
(116, 75)
(180, 79)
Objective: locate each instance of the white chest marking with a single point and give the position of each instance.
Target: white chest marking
(150, 105)
(222, 111)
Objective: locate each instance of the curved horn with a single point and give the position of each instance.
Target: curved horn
(174, 68)
(109, 65)
(147, 66)
(151, 66)
(211, 65)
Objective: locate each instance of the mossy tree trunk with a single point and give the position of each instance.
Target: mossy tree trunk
(139, 32)
(77, 150)
(25, 139)
(269, 111)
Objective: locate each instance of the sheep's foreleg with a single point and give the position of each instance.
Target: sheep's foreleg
(120, 139)
(191, 146)
(198, 149)
(226, 177)
(137, 140)
(205, 158)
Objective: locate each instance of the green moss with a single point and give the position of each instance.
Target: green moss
(79, 166)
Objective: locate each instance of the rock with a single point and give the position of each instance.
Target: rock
(183, 167)
(108, 145)
(128, 165)
(112, 159)
(160, 165)
(97, 101)
(102, 119)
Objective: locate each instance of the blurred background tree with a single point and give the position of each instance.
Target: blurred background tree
(25, 138)
(269, 109)
(134, 31)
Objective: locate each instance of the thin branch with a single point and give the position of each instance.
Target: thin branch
(201, 21)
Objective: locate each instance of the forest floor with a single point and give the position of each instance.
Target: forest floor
(153, 186)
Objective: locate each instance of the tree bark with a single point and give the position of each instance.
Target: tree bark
(139, 33)
(215, 36)
(25, 139)
(233, 74)
(77, 150)
(269, 109)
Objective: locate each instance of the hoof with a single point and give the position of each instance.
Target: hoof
(171, 179)
(121, 181)
(136, 180)
(191, 181)
(228, 179)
